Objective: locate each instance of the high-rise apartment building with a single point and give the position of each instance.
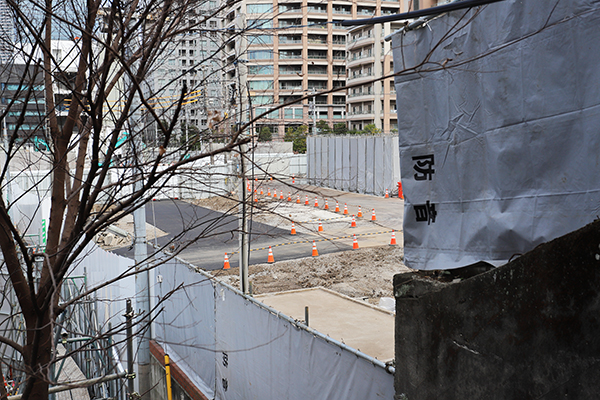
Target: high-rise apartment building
(278, 51)
(281, 50)
(192, 61)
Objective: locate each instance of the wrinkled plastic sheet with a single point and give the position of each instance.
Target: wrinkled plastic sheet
(262, 356)
(502, 152)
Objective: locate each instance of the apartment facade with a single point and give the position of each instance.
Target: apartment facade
(288, 49)
(279, 51)
(190, 61)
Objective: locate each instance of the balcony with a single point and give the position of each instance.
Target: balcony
(342, 11)
(284, 86)
(319, 10)
(361, 75)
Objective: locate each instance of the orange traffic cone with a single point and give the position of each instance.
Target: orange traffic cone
(359, 215)
(400, 193)
(248, 185)
(270, 258)
(373, 217)
(387, 194)
(293, 229)
(355, 244)
(289, 196)
(255, 198)
(226, 263)
(270, 178)
(306, 201)
(320, 226)
(269, 192)
(393, 241)
(337, 206)
(297, 199)
(326, 205)
(293, 179)
(353, 224)
(316, 202)
(274, 193)
(345, 209)
(261, 191)
(281, 195)
(315, 252)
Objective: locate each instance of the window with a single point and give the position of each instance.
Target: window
(260, 23)
(297, 113)
(212, 5)
(260, 54)
(213, 24)
(260, 85)
(260, 69)
(259, 8)
(260, 39)
(261, 100)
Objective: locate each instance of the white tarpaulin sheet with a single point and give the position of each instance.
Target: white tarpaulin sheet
(500, 148)
(238, 349)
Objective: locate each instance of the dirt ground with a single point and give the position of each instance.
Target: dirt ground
(365, 274)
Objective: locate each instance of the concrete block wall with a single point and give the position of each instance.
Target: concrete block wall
(527, 330)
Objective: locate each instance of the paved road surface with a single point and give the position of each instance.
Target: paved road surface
(202, 236)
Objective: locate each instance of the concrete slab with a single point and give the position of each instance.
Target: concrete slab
(360, 325)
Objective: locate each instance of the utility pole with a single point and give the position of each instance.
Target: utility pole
(243, 223)
(313, 108)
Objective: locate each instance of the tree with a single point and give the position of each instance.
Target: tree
(340, 129)
(323, 127)
(297, 135)
(371, 129)
(113, 50)
(265, 134)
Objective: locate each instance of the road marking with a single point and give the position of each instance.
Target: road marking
(318, 240)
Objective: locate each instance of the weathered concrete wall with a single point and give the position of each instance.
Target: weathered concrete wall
(527, 330)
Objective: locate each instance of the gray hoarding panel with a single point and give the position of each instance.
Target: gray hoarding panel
(318, 163)
(331, 162)
(499, 151)
(339, 163)
(353, 183)
(379, 167)
(346, 166)
(369, 165)
(361, 164)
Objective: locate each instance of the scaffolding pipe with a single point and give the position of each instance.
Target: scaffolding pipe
(77, 385)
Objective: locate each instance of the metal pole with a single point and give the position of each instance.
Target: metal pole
(129, 331)
(142, 300)
(168, 373)
(314, 112)
(243, 224)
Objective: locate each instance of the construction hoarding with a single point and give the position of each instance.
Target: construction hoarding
(363, 164)
(233, 347)
(499, 129)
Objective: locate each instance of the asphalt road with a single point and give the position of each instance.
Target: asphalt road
(202, 236)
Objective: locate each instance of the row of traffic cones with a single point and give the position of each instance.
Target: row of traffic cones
(315, 251)
(326, 207)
